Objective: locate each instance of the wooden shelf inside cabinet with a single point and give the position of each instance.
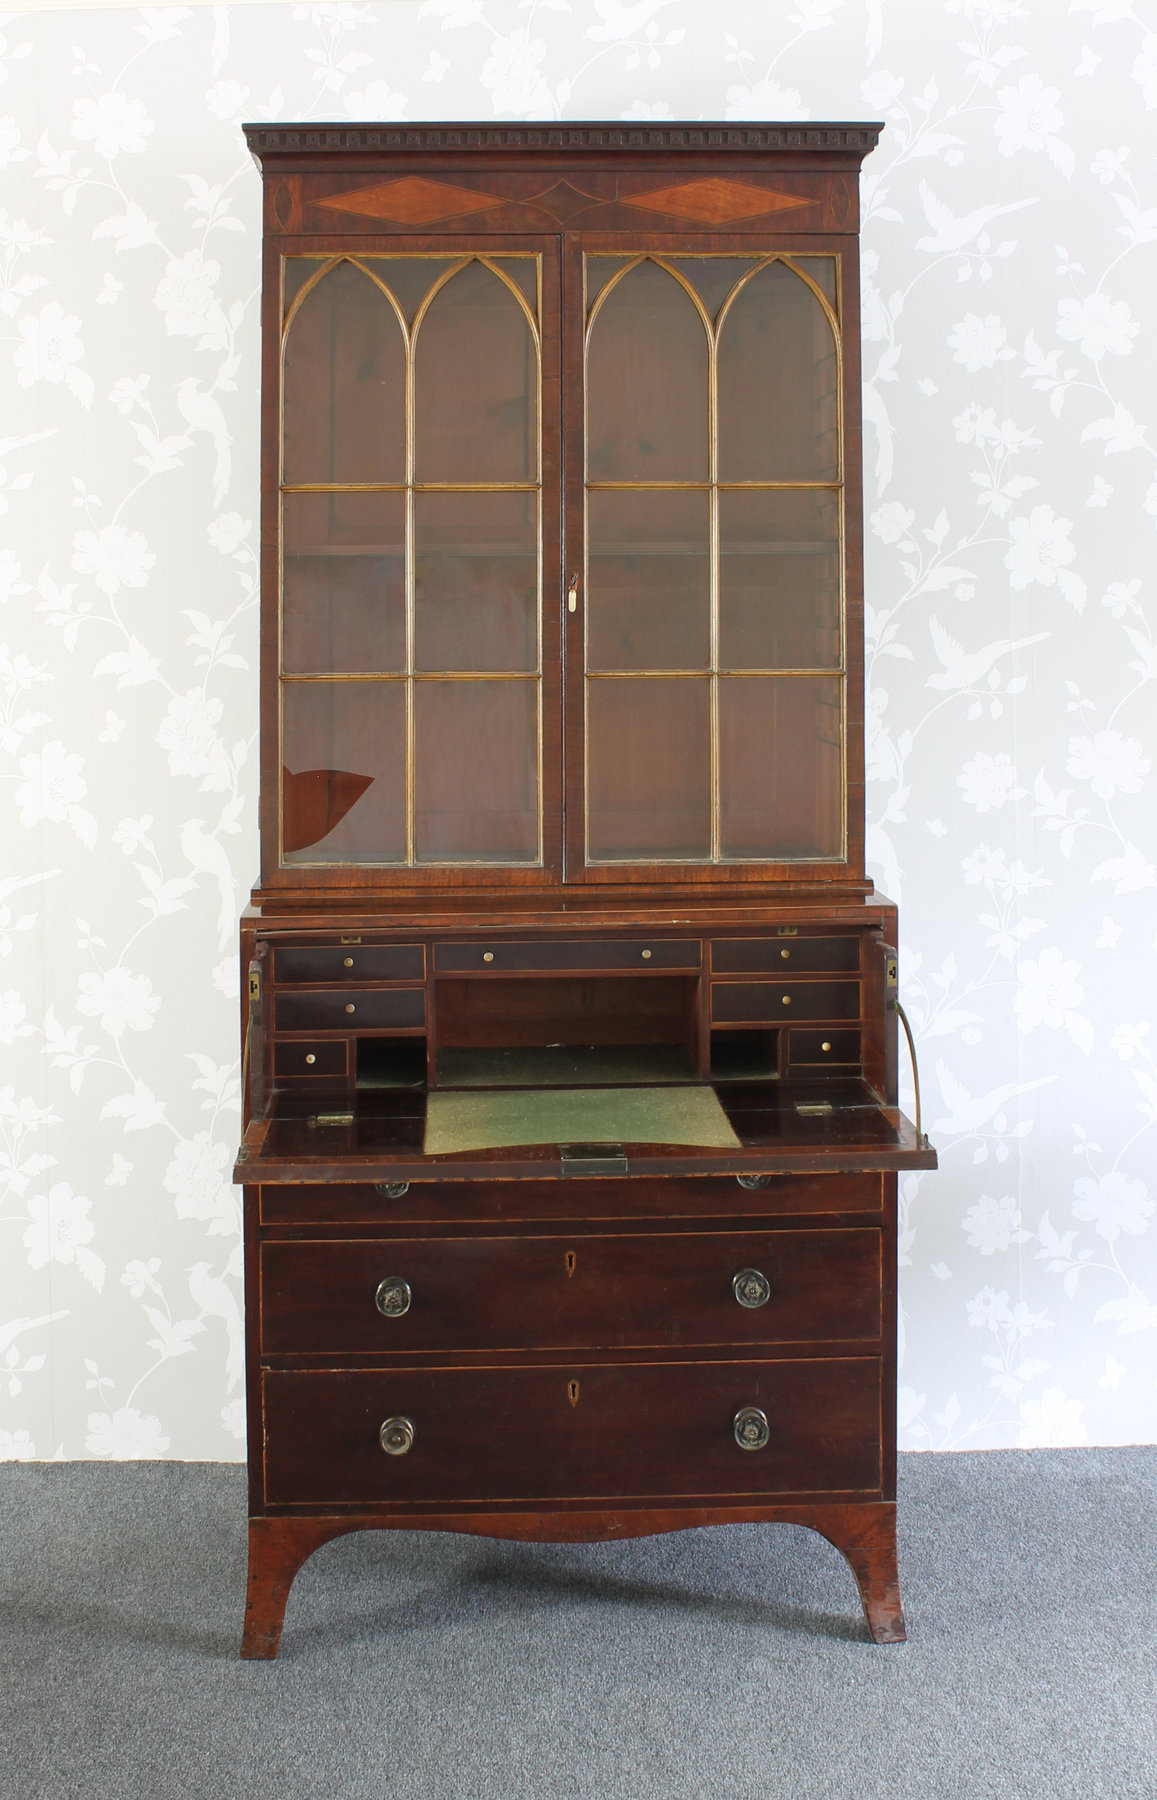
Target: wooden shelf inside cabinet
(569, 1011)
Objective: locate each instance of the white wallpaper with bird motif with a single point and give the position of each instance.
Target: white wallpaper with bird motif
(1010, 225)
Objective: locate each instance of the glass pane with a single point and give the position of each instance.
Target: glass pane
(647, 383)
(649, 579)
(713, 277)
(599, 272)
(343, 785)
(648, 769)
(822, 270)
(343, 583)
(409, 278)
(476, 384)
(477, 771)
(778, 375)
(345, 384)
(295, 272)
(476, 581)
(780, 767)
(779, 579)
(523, 271)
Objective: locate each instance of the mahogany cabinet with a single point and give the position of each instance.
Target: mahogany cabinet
(569, 1016)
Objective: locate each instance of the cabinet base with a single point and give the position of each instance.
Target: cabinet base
(864, 1532)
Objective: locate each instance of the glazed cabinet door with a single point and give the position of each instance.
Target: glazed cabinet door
(707, 560)
(417, 692)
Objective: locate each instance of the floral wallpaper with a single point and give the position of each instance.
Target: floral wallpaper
(1010, 397)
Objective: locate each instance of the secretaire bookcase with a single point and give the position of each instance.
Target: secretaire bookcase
(569, 1015)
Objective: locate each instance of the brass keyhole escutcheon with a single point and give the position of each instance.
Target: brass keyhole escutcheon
(393, 1297)
(396, 1436)
(572, 1392)
(570, 1261)
(751, 1429)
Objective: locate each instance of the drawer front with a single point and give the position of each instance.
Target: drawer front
(781, 1002)
(383, 1009)
(587, 1293)
(743, 956)
(565, 955)
(814, 1049)
(647, 1202)
(309, 1061)
(577, 1431)
(350, 962)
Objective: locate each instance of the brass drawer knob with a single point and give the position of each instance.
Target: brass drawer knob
(397, 1436)
(391, 1190)
(488, 956)
(786, 1001)
(646, 956)
(347, 962)
(393, 1297)
(825, 1046)
(786, 954)
(752, 1431)
(310, 1057)
(350, 1006)
(751, 1288)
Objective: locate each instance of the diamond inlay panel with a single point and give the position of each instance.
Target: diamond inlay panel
(411, 201)
(715, 202)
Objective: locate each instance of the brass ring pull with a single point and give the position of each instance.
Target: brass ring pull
(750, 1426)
(753, 1181)
(393, 1297)
(751, 1288)
(391, 1190)
(397, 1436)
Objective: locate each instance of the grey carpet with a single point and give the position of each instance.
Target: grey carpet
(717, 1665)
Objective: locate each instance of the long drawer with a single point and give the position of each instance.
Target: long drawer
(566, 955)
(378, 1009)
(581, 1292)
(581, 1431)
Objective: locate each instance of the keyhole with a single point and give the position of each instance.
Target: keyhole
(572, 1392)
(569, 1264)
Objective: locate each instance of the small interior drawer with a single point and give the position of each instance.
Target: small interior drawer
(782, 1002)
(349, 1009)
(743, 956)
(811, 1049)
(566, 955)
(349, 962)
(306, 1060)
